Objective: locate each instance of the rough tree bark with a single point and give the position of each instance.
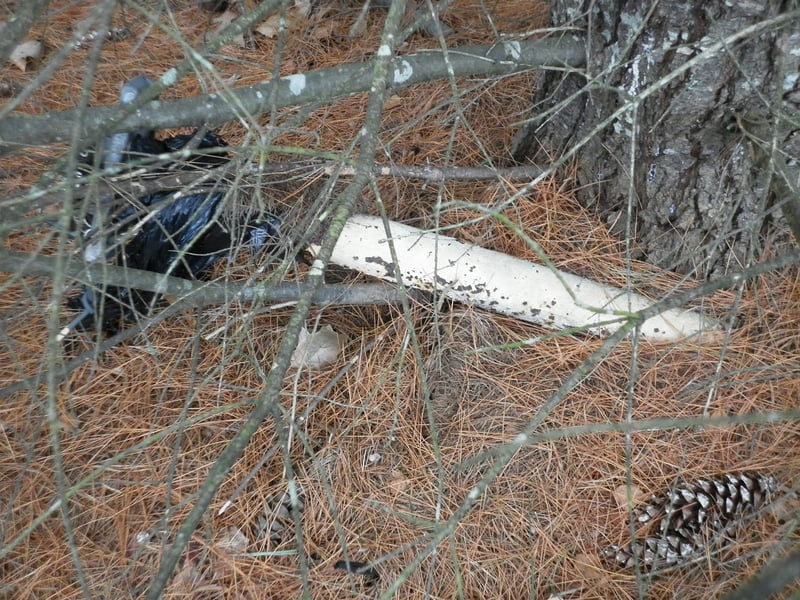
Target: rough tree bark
(696, 155)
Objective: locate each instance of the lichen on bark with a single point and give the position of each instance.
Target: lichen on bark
(699, 185)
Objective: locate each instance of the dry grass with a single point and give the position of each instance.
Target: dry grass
(378, 464)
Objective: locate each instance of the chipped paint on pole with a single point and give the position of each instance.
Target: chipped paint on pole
(501, 283)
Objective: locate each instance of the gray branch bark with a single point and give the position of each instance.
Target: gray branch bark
(200, 293)
(323, 85)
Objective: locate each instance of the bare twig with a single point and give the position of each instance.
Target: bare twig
(197, 294)
(138, 183)
(773, 578)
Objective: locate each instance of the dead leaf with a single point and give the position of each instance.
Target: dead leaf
(317, 350)
(398, 482)
(294, 16)
(27, 52)
(621, 495)
(233, 541)
(324, 31)
(187, 578)
(393, 101)
(269, 27)
(223, 21)
(589, 567)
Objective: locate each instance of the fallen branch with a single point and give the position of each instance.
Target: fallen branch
(139, 182)
(437, 174)
(504, 284)
(322, 85)
(197, 294)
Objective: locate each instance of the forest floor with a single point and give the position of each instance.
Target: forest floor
(397, 432)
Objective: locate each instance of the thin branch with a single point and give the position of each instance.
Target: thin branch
(137, 184)
(438, 174)
(197, 294)
(774, 577)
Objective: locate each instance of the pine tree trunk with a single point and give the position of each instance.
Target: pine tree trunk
(683, 151)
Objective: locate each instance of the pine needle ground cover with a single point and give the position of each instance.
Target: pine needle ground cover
(620, 492)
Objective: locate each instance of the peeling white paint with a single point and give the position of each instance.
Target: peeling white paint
(384, 50)
(403, 72)
(297, 83)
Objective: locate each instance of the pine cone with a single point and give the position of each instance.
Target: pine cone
(689, 516)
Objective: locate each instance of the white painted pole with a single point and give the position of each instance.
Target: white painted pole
(502, 283)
